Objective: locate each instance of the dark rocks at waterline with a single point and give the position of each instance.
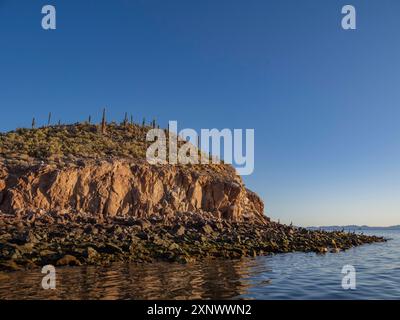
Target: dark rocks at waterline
(78, 239)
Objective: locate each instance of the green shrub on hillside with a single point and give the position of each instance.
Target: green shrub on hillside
(79, 140)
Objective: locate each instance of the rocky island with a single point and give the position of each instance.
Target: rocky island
(84, 194)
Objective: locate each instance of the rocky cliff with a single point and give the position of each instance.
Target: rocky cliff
(127, 188)
(77, 194)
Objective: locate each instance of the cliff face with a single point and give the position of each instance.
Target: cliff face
(123, 188)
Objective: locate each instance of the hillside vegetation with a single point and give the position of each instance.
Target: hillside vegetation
(70, 142)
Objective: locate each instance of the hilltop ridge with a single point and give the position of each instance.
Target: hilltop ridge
(60, 143)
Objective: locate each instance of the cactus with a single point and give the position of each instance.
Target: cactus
(90, 120)
(49, 119)
(144, 122)
(126, 120)
(131, 120)
(59, 122)
(33, 123)
(103, 122)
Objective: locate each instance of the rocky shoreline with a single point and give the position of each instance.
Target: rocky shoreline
(84, 239)
(84, 194)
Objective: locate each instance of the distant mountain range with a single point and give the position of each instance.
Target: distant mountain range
(354, 227)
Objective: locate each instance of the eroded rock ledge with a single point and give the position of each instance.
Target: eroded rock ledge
(128, 189)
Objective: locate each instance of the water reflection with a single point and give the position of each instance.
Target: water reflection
(216, 279)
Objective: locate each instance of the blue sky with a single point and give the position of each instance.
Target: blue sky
(324, 102)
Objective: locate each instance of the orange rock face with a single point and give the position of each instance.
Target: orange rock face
(123, 188)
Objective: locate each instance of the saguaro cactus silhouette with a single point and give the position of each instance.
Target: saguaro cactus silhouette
(103, 122)
(33, 123)
(131, 120)
(49, 119)
(126, 120)
(90, 120)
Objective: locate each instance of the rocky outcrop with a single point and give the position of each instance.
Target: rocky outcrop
(125, 188)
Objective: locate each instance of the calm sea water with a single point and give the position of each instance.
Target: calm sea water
(283, 276)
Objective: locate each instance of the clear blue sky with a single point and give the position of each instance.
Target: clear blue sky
(324, 102)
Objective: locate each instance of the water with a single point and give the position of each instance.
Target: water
(284, 276)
